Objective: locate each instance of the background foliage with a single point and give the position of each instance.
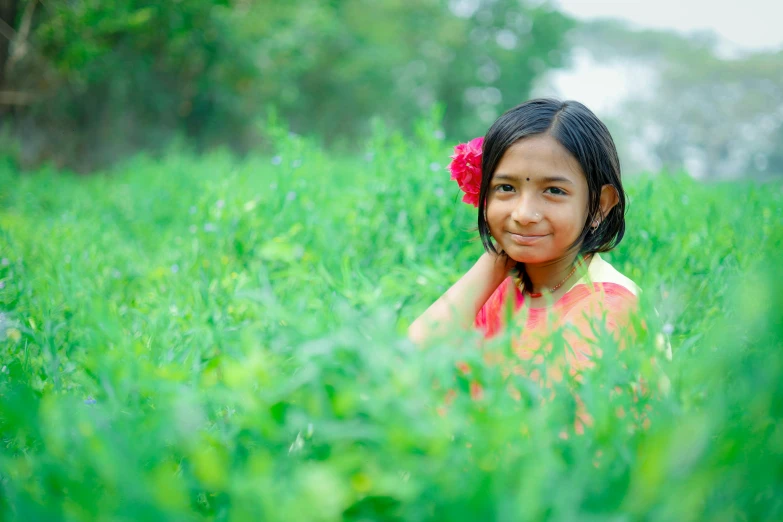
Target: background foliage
(214, 339)
(193, 335)
(84, 83)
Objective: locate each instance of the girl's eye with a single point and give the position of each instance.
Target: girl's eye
(504, 188)
(556, 191)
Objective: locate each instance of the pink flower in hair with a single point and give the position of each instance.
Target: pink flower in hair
(465, 169)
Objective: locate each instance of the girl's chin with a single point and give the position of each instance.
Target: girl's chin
(532, 254)
(526, 257)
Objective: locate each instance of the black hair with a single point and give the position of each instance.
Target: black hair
(586, 138)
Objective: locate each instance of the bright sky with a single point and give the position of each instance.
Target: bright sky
(746, 24)
(742, 25)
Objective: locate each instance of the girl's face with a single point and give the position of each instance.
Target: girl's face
(537, 201)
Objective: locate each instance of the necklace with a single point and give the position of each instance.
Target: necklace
(536, 295)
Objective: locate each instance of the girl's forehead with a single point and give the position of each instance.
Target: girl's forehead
(540, 155)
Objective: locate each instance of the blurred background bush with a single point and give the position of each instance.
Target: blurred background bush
(87, 81)
(84, 83)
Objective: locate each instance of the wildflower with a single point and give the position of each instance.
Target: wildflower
(13, 334)
(220, 203)
(5, 261)
(476, 391)
(297, 444)
(664, 385)
(277, 160)
(209, 227)
(90, 400)
(290, 196)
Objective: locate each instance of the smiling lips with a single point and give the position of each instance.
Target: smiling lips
(526, 239)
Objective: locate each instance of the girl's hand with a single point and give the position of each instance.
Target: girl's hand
(460, 304)
(503, 262)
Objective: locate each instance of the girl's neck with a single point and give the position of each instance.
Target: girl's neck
(546, 276)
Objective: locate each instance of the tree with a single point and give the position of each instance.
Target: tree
(130, 74)
(8, 12)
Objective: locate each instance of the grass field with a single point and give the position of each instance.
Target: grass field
(207, 338)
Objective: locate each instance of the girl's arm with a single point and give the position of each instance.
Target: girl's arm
(460, 304)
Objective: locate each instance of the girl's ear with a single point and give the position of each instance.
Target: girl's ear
(609, 198)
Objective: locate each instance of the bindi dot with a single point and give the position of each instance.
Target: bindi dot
(527, 179)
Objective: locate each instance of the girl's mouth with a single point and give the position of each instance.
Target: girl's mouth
(526, 240)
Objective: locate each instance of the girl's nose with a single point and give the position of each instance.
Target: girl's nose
(526, 211)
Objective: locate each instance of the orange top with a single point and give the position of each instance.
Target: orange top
(601, 293)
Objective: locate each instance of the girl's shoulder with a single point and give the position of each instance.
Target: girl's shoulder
(602, 289)
(601, 272)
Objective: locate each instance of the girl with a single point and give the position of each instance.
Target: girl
(551, 200)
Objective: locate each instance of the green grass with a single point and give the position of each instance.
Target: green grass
(207, 338)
